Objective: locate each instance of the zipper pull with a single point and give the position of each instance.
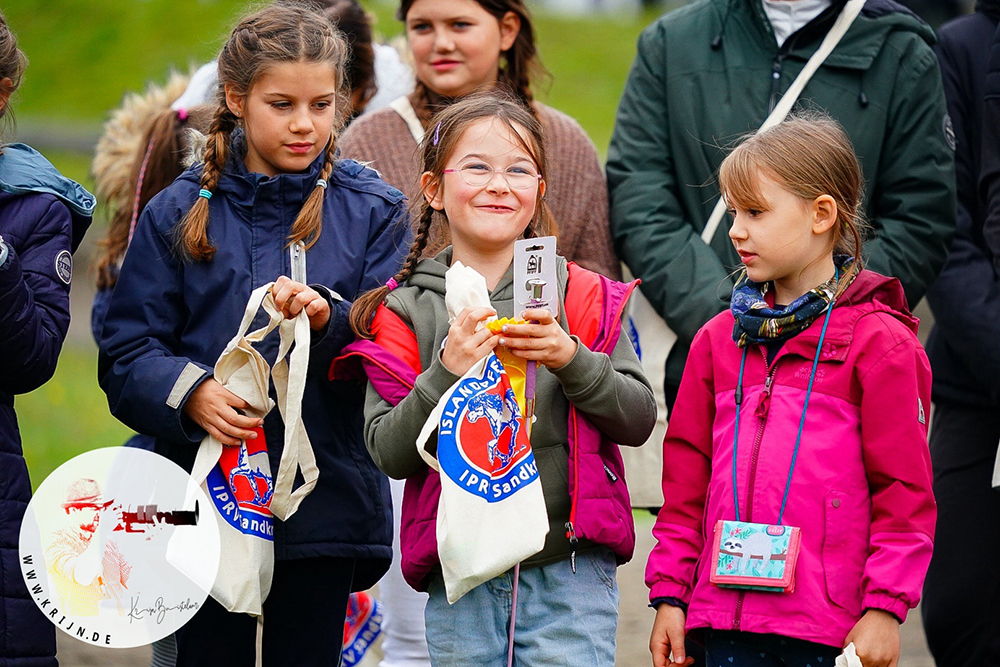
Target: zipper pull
(298, 262)
(571, 536)
(765, 398)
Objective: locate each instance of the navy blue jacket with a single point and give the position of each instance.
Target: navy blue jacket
(965, 297)
(42, 218)
(169, 320)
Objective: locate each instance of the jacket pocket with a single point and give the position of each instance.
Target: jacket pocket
(844, 549)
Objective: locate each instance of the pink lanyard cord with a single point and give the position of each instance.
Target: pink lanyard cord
(513, 616)
(138, 190)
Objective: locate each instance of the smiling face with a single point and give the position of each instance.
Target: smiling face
(288, 116)
(456, 44)
(485, 220)
(788, 241)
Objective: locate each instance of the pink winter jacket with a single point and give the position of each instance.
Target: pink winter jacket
(861, 489)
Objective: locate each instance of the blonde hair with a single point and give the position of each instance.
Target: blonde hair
(435, 149)
(283, 32)
(809, 155)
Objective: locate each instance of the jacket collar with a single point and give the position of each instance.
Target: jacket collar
(24, 170)
(242, 185)
(429, 275)
(858, 48)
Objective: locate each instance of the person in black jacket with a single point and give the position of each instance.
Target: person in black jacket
(42, 220)
(959, 604)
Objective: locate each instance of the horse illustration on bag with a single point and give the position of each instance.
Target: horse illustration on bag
(257, 475)
(502, 417)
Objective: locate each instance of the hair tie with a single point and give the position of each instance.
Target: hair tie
(391, 284)
(182, 114)
(437, 133)
(207, 194)
(321, 182)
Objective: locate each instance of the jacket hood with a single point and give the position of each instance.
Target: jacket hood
(429, 272)
(429, 275)
(873, 292)
(862, 43)
(24, 170)
(118, 149)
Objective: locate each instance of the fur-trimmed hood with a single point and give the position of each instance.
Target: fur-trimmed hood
(118, 148)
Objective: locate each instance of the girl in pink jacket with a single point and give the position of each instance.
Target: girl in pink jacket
(798, 515)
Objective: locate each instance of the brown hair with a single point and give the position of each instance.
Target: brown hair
(12, 64)
(435, 149)
(162, 155)
(283, 32)
(352, 20)
(810, 155)
(519, 64)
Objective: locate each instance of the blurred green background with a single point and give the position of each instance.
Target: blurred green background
(85, 55)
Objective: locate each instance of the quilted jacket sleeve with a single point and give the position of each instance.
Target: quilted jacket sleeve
(34, 299)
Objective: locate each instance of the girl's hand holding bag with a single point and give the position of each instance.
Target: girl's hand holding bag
(238, 479)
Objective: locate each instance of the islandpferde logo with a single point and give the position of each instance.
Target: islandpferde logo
(241, 487)
(482, 443)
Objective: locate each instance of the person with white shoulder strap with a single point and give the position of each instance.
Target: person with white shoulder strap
(715, 70)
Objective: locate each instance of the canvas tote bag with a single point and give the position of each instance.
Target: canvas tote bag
(653, 338)
(239, 481)
(491, 512)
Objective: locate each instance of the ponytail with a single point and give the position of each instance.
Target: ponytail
(191, 239)
(365, 305)
(156, 161)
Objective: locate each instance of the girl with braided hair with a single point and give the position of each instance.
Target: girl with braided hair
(268, 200)
(459, 47)
(484, 174)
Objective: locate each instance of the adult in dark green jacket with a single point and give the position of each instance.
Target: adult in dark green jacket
(711, 71)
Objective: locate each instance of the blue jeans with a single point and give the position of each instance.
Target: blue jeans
(563, 619)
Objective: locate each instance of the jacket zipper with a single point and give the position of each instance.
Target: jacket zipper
(570, 528)
(297, 255)
(763, 408)
(570, 525)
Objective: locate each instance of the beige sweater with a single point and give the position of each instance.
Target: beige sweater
(576, 194)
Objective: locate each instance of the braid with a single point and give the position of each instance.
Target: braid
(420, 236)
(309, 223)
(192, 232)
(365, 305)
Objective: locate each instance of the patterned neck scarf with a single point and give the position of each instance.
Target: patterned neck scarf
(757, 322)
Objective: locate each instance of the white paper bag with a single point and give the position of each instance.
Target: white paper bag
(239, 479)
(491, 514)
